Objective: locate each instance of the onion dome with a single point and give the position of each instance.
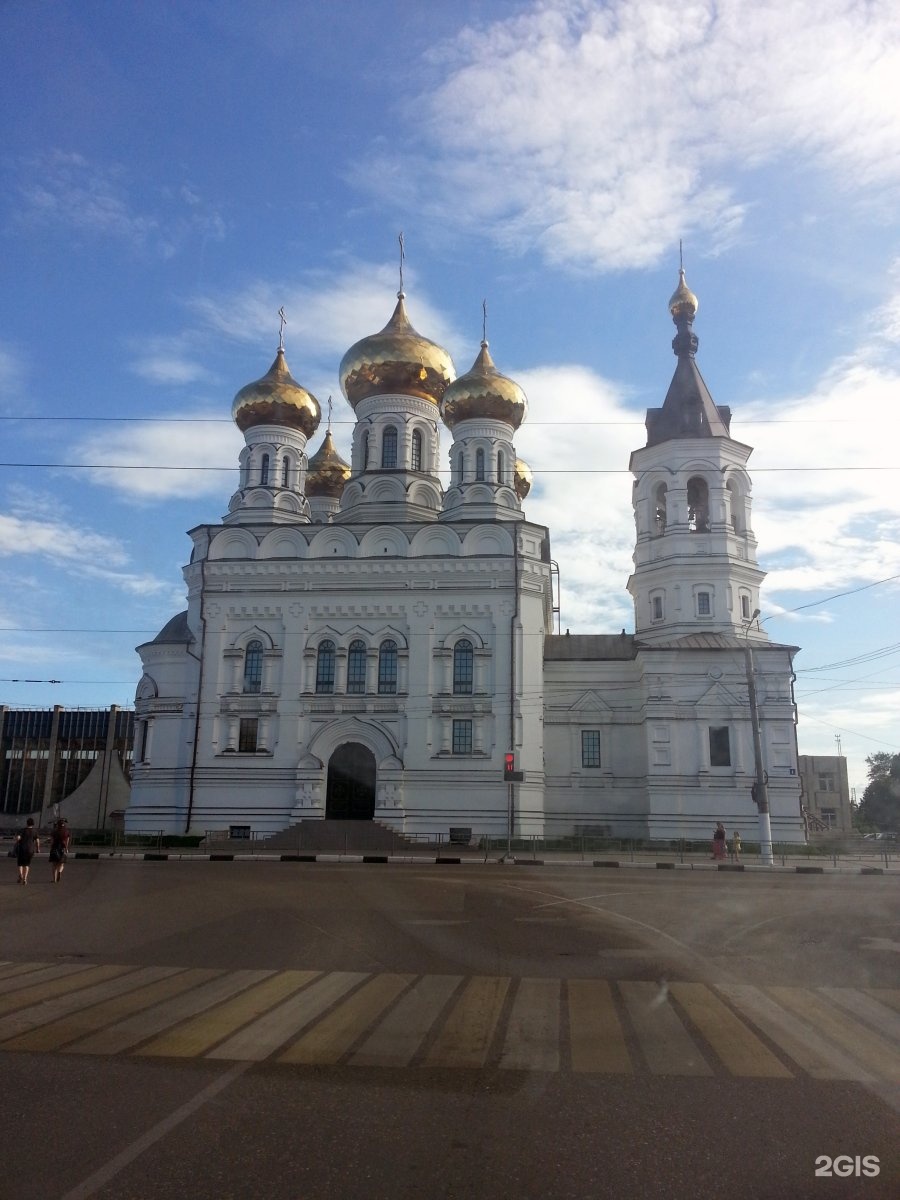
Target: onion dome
(397, 361)
(276, 399)
(683, 302)
(327, 472)
(484, 392)
(522, 479)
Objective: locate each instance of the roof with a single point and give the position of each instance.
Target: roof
(713, 641)
(569, 647)
(688, 410)
(176, 630)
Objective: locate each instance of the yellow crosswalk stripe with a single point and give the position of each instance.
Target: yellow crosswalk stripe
(468, 1031)
(197, 1036)
(396, 1040)
(596, 1040)
(331, 1038)
(12, 988)
(664, 1042)
(740, 1050)
(269, 1033)
(532, 1031)
(99, 1016)
(889, 996)
(13, 970)
(881, 1018)
(874, 1052)
(71, 980)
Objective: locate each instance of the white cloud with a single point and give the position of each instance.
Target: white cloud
(601, 133)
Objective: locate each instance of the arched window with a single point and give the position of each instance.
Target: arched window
(325, 667)
(736, 507)
(365, 449)
(389, 447)
(387, 668)
(285, 472)
(463, 667)
(253, 664)
(499, 466)
(356, 668)
(264, 470)
(416, 461)
(479, 464)
(698, 505)
(459, 467)
(660, 516)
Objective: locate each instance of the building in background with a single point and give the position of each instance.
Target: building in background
(75, 763)
(826, 792)
(362, 641)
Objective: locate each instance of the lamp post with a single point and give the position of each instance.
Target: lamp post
(761, 788)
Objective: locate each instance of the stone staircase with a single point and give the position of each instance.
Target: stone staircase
(337, 837)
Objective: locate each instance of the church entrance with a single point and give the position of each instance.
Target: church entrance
(351, 784)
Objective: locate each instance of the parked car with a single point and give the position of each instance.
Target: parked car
(888, 836)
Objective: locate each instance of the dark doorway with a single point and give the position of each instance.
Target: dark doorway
(351, 784)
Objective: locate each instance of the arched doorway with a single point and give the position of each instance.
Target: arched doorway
(351, 784)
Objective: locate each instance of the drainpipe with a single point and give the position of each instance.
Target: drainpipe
(190, 811)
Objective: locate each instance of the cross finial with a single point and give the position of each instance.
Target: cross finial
(402, 259)
(680, 256)
(283, 320)
(330, 407)
(484, 321)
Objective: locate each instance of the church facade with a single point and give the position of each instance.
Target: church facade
(363, 642)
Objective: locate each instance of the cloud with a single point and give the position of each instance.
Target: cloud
(69, 192)
(601, 133)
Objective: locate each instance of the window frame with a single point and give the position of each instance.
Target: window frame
(357, 660)
(462, 736)
(463, 667)
(326, 659)
(387, 667)
(253, 668)
(248, 732)
(590, 749)
(389, 441)
(720, 746)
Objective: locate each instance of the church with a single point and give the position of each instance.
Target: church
(365, 641)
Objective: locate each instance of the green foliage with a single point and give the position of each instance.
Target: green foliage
(879, 808)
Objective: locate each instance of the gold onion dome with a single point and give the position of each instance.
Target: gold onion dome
(683, 300)
(484, 392)
(276, 399)
(522, 479)
(327, 472)
(396, 362)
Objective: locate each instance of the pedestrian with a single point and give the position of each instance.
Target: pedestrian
(719, 842)
(27, 846)
(59, 848)
(736, 847)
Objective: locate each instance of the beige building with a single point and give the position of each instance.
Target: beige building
(825, 792)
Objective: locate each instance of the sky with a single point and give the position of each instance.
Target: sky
(174, 173)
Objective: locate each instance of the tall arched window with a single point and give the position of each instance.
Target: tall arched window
(416, 461)
(463, 667)
(356, 668)
(389, 447)
(264, 470)
(387, 668)
(253, 665)
(459, 467)
(285, 472)
(325, 667)
(365, 449)
(736, 506)
(698, 504)
(499, 466)
(479, 464)
(660, 516)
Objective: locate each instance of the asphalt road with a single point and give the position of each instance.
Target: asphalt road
(204, 1029)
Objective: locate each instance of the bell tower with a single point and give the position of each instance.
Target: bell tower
(695, 565)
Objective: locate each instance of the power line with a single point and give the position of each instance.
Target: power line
(538, 470)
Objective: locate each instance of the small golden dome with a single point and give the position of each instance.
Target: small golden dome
(522, 479)
(484, 392)
(683, 300)
(327, 472)
(396, 361)
(276, 399)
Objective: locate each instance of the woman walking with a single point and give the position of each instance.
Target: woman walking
(719, 842)
(59, 848)
(27, 846)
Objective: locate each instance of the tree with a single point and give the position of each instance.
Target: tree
(879, 808)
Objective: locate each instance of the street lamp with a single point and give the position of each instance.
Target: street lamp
(761, 788)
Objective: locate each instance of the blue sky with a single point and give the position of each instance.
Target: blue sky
(174, 173)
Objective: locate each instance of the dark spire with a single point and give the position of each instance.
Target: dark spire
(688, 410)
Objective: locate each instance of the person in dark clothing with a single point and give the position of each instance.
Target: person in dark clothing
(59, 848)
(27, 846)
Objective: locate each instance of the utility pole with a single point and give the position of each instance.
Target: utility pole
(761, 787)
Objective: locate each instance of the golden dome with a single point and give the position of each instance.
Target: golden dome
(484, 392)
(522, 479)
(327, 472)
(276, 399)
(683, 300)
(396, 361)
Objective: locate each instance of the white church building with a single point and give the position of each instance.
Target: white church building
(361, 642)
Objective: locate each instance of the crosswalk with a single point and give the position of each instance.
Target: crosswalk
(359, 1019)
